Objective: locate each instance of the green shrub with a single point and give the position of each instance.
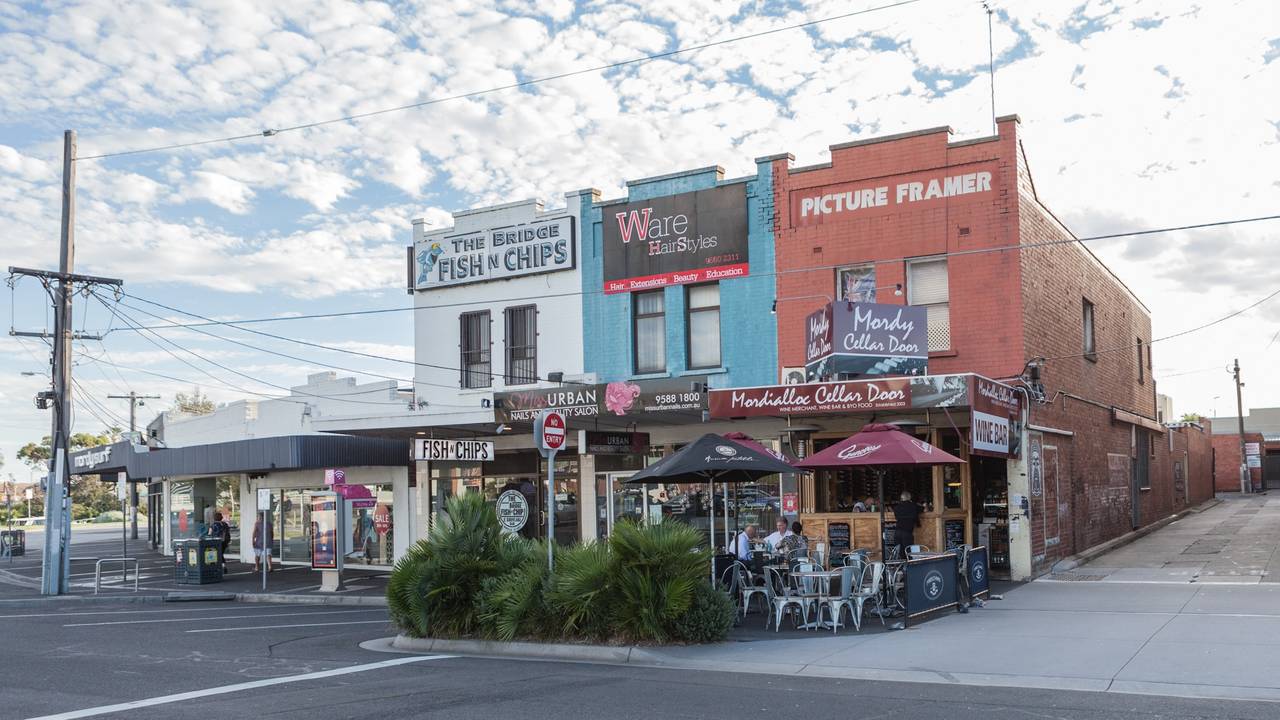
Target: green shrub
(404, 604)
(708, 618)
(655, 571)
(513, 604)
(581, 591)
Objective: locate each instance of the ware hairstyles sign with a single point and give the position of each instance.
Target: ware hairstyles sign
(693, 237)
(494, 253)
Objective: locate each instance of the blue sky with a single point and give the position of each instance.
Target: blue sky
(1135, 115)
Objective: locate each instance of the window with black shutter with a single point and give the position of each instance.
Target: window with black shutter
(522, 345)
(476, 363)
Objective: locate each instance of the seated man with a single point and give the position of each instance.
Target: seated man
(743, 544)
(775, 538)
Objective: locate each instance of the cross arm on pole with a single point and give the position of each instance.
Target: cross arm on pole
(65, 276)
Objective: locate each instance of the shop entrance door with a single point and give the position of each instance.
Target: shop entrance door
(616, 502)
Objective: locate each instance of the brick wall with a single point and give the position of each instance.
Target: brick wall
(1226, 468)
(986, 330)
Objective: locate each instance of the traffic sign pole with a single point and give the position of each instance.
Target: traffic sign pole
(550, 431)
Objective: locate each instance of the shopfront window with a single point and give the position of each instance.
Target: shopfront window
(702, 306)
(371, 524)
(294, 527)
(928, 287)
(649, 332)
(952, 482)
(228, 503)
(182, 522)
(857, 284)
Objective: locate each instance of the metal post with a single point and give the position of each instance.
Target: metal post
(551, 511)
(266, 554)
(124, 539)
(134, 401)
(1245, 480)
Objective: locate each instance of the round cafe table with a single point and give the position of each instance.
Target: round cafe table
(824, 578)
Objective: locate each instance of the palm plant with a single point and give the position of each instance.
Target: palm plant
(581, 592)
(655, 570)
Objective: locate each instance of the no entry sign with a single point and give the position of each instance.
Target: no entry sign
(553, 431)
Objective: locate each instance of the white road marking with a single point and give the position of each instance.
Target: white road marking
(238, 687)
(222, 617)
(221, 608)
(273, 627)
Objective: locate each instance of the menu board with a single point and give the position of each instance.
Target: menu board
(838, 536)
(954, 530)
(887, 534)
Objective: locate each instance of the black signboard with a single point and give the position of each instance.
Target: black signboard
(693, 237)
(615, 443)
(954, 529)
(931, 584)
(621, 399)
(979, 572)
(838, 536)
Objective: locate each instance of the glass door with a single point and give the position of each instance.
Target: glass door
(616, 501)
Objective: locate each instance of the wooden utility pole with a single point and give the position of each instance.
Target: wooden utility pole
(134, 401)
(55, 556)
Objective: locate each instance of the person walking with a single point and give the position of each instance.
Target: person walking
(262, 550)
(221, 530)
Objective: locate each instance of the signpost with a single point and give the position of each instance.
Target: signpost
(550, 432)
(264, 507)
(122, 494)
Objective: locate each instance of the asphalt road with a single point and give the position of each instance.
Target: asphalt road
(278, 661)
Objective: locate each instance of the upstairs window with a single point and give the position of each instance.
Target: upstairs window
(927, 286)
(522, 345)
(1090, 348)
(475, 346)
(702, 308)
(649, 331)
(1142, 376)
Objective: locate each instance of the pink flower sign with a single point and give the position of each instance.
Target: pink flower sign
(620, 396)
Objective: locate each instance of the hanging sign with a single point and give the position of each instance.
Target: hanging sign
(335, 477)
(513, 511)
(848, 340)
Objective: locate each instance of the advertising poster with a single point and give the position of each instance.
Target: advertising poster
(494, 254)
(324, 531)
(693, 237)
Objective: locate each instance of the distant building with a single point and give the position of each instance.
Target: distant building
(1261, 433)
(1164, 409)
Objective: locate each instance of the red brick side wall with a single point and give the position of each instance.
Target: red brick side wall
(1226, 469)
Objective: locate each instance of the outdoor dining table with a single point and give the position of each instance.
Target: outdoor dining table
(824, 592)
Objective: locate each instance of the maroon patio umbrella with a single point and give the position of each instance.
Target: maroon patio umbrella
(880, 445)
(746, 440)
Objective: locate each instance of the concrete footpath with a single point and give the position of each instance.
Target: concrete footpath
(1188, 641)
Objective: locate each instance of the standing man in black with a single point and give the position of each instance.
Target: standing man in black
(907, 514)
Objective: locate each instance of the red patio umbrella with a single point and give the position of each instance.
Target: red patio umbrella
(880, 445)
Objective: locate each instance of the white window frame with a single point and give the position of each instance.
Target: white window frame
(936, 309)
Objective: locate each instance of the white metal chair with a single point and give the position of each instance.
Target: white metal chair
(913, 550)
(781, 600)
(869, 588)
(820, 554)
(747, 588)
(836, 605)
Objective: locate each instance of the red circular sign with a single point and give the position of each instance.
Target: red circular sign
(553, 430)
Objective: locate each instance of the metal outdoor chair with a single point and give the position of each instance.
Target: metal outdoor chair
(820, 554)
(869, 589)
(913, 550)
(781, 601)
(849, 579)
(808, 589)
(747, 588)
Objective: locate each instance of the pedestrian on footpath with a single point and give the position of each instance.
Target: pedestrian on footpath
(222, 532)
(262, 550)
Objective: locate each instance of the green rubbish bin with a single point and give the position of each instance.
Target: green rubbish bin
(180, 562)
(200, 562)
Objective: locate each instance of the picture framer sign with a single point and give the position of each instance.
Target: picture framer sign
(693, 237)
(495, 253)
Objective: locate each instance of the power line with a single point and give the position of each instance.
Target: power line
(271, 132)
(468, 303)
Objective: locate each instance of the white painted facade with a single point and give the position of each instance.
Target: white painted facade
(324, 396)
(437, 321)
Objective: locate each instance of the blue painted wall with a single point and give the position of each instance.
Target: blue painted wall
(748, 330)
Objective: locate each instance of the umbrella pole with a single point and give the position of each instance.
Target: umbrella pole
(880, 489)
(711, 518)
(725, 490)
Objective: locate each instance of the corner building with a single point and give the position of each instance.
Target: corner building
(958, 228)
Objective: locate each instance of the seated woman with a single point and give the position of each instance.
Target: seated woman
(796, 540)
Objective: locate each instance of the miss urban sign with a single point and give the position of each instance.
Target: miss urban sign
(494, 254)
(689, 238)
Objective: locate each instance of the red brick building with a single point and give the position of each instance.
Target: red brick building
(959, 228)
